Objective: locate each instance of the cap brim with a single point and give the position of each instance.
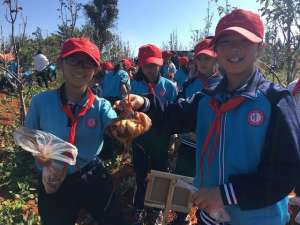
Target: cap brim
(245, 33)
(152, 60)
(206, 52)
(80, 51)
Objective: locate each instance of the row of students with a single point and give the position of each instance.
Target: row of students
(247, 130)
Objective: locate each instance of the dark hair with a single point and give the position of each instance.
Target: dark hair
(139, 75)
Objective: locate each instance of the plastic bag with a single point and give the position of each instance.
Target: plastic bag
(46, 146)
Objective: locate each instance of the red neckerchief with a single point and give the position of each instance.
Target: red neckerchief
(296, 88)
(216, 127)
(151, 88)
(74, 120)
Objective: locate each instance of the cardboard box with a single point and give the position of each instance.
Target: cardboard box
(169, 191)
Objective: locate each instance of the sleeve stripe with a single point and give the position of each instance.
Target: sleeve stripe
(227, 194)
(232, 193)
(146, 105)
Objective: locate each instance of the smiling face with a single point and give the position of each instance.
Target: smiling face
(151, 71)
(205, 64)
(237, 55)
(78, 70)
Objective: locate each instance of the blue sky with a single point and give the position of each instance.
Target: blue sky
(139, 21)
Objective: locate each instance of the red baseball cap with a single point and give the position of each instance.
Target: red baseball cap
(149, 54)
(205, 47)
(127, 63)
(244, 22)
(107, 66)
(84, 45)
(167, 54)
(183, 60)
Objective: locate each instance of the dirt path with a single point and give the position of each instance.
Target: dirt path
(9, 114)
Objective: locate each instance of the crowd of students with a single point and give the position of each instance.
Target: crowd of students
(239, 132)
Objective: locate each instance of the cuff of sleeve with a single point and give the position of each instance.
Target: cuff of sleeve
(146, 106)
(228, 194)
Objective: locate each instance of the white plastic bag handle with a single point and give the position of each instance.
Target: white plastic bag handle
(45, 145)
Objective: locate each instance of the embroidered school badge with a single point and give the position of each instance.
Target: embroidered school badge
(256, 117)
(91, 122)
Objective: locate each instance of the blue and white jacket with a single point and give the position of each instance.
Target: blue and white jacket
(257, 162)
(46, 113)
(195, 84)
(165, 90)
(168, 68)
(112, 83)
(191, 87)
(180, 77)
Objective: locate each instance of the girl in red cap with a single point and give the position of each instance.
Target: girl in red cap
(129, 67)
(150, 151)
(116, 83)
(74, 114)
(168, 68)
(205, 77)
(96, 83)
(181, 74)
(247, 132)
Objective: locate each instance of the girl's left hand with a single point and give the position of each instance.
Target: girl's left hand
(42, 162)
(208, 199)
(135, 101)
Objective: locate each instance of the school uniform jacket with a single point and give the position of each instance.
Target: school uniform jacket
(112, 83)
(196, 84)
(168, 68)
(165, 90)
(180, 77)
(191, 87)
(257, 160)
(46, 114)
(153, 141)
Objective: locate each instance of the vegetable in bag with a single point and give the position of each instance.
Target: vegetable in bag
(47, 147)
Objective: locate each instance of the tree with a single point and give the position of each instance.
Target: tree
(102, 15)
(37, 34)
(173, 41)
(284, 18)
(14, 9)
(117, 50)
(224, 9)
(199, 34)
(2, 40)
(173, 44)
(68, 14)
